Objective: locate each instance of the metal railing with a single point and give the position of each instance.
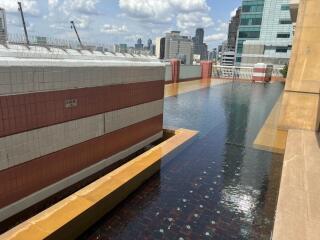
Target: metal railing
(19, 39)
(240, 73)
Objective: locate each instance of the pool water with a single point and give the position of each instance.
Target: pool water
(220, 187)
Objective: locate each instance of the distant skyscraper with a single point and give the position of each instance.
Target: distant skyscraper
(160, 47)
(200, 35)
(233, 30)
(200, 48)
(139, 45)
(123, 48)
(3, 26)
(265, 32)
(149, 44)
(116, 48)
(213, 54)
(177, 46)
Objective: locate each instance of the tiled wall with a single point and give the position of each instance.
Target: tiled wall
(19, 148)
(34, 110)
(190, 72)
(58, 121)
(24, 179)
(14, 80)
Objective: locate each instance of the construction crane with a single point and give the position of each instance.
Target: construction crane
(24, 23)
(75, 29)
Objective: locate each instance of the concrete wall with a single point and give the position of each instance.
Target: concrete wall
(64, 120)
(168, 72)
(187, 72)
(190, 72)
(301, 99)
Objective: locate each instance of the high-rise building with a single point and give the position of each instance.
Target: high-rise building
(227, 58)
(139, 44)
(149, 44)
(213, 55)
(160, 47)
(3, 26)
(272, 39)
(233, 30)
(250, 24)
(228, 47)
(116, 48)
(199, 47)
(177, 46)
(123, 48)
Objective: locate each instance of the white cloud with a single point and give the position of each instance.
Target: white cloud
(82, 22)
(193, 20)
(80, 6)
(190, 5)
(107, 28)
(216, 37)
(53, 3)
(222, 26)
(29, 6)
(163, 11)
(233, 12)
(133, 37)
(61, 12)
(148, 9)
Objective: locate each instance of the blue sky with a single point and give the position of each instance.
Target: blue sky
(122, 21)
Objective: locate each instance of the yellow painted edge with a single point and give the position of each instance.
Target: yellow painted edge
(49, 221)
(270, 137)
(174, 89)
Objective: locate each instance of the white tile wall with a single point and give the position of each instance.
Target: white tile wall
(44, 193)
(18, 80)
(22, 147)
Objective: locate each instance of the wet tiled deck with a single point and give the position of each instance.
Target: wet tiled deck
(218, 188)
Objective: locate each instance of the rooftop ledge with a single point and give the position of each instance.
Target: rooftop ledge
(70, 217)
(298, 210)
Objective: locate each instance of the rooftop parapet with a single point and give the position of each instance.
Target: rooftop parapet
(13, 54)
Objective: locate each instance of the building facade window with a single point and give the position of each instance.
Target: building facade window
(281, 49)
(285, 7)
(283, 35)
(285, 21)
(249, 34)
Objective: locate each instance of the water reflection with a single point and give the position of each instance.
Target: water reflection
(219, 187)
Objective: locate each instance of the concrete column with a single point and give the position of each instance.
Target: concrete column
(301, 99)
(175, 63)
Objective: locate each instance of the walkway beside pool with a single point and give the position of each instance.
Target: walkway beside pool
(298, 211)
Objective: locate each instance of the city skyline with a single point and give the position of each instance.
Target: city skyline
(122, 21)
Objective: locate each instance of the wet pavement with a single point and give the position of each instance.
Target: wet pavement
(220, 187)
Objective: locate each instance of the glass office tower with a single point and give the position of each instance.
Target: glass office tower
(250, 23)
(267, 37)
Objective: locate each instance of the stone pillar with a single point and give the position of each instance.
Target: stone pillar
(175, 63)
(301, 99)
(206, 69)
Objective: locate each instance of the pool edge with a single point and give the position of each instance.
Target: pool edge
(70, 217)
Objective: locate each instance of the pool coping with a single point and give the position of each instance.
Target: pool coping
(70, 217)
(297, 212)
(270, 137)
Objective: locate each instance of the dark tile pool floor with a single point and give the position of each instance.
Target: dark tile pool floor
(220, 187)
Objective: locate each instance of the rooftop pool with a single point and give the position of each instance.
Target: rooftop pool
(219, 187)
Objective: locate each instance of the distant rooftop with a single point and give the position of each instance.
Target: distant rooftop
(57, 49)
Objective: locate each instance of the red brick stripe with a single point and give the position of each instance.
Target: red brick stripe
(19, 113)
(22, 180)
(259, 70)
